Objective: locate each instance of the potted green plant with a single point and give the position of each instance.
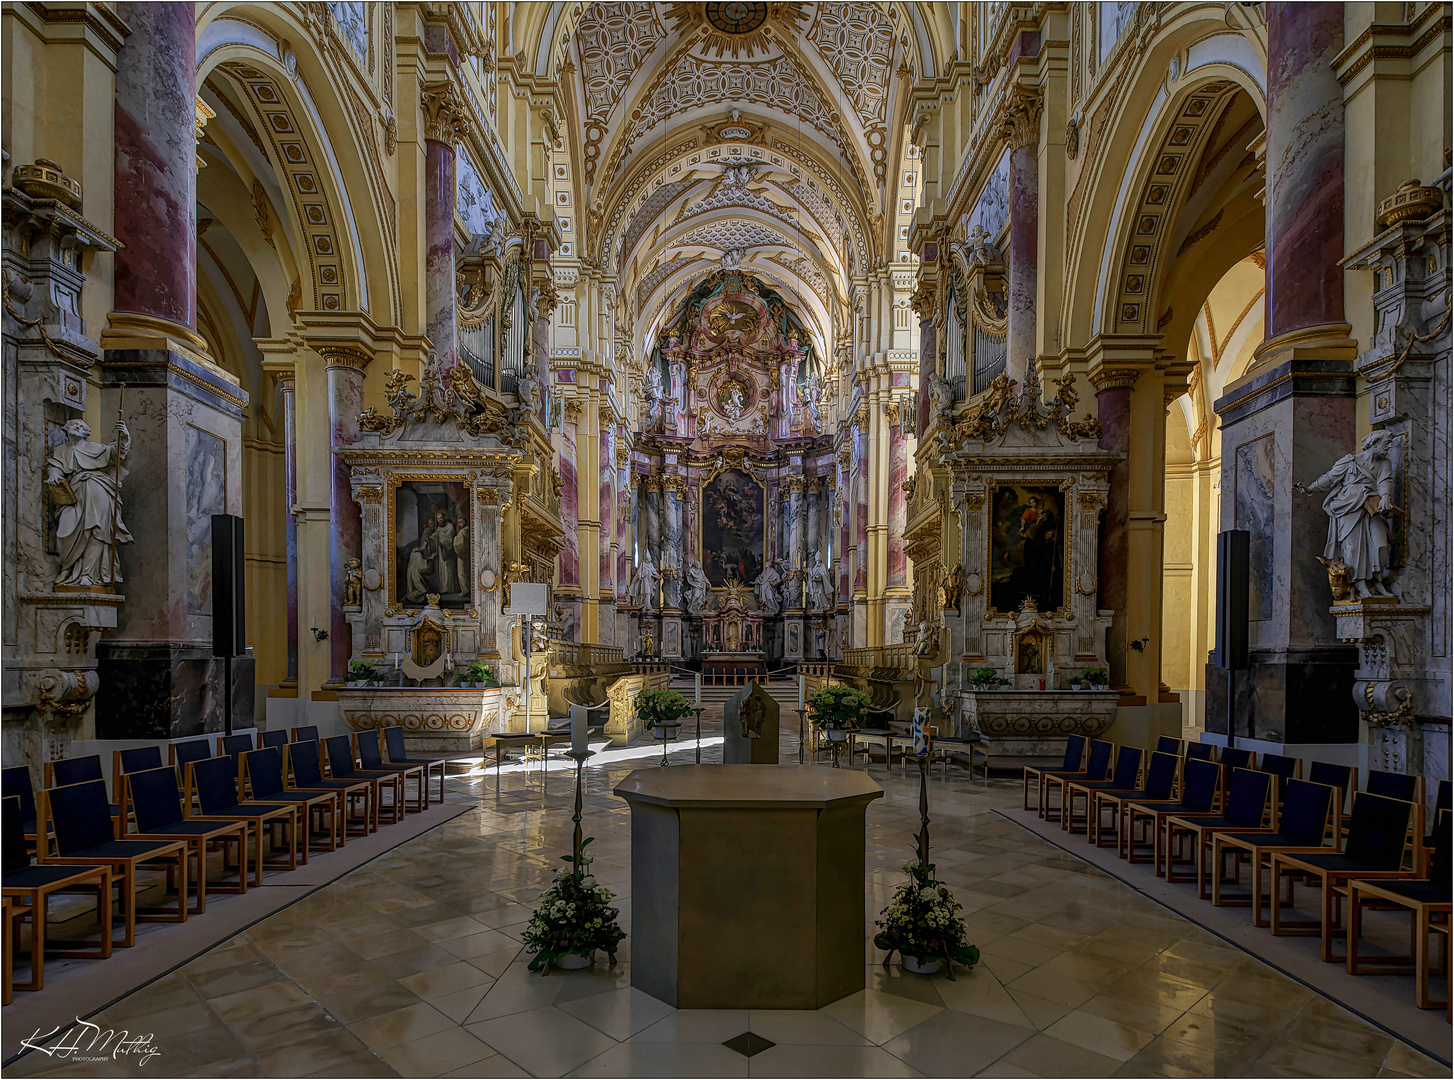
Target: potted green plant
(836, 710)
(574, 919)
(359, 673)
(1095, 677)
(662, 711)
(481, 675)
(987, 678)
(922, 923)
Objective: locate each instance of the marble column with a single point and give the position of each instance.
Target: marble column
(1022, 124)
(671, 568)
(490, 558)
(345, 367)
(624, 522)
(1305, 135)
(897, 416)
(841, 508)
(653, 518)
(795, 538)
(860, 528)
(606, 533)
(444, 126)
(569, 504)
(287, 392)
(1113, 410)
(156, 169)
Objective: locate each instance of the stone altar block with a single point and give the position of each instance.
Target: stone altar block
(750, 727)
(747, 884)
(1036, 723)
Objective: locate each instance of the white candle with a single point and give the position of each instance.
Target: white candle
(699, 688)
(802, 691)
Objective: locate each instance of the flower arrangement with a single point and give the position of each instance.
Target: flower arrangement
(837, 708)
(482, 674)
(574, 916)
(661, 707)
(361, 672)
(922, 923)
(987, 678)
(1095, 676)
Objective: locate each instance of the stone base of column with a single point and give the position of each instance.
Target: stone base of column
(1328, 342)
(168, 690)
(671, 635)
(127, 330)
(793, 636)
(1297, 696)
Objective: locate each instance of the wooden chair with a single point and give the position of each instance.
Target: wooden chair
(1442, 803)
(15, 784)
(1126, 777)
(341, 766)
(399, 755)
(1302, 825)
(1422, 899)
(1201, 751)
(27, 891)
(277, 738)
(1283, 769)
(1251, 806)
(85, 836)
(151, 795)
(307, 774)
(233, 747)
(63, 772)
(130, 761)
(212, 796)
(1074, 762)
(1160, 781)
(262, 770)
(1409, 789)
(1201, 781)
(372, 760)
(306, 733)
(1343, 779)
(1097, 767)
(1168, 744)
(1377, 832)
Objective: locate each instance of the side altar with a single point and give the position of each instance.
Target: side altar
(458, 501)
(1013, 571)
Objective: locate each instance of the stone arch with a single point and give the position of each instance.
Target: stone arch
(297, 117)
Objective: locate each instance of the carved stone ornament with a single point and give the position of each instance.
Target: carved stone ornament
(444, 114)
(1002, 408)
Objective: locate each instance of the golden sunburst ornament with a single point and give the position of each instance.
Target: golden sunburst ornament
(736, 28)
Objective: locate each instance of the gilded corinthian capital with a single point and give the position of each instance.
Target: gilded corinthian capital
(444, 116)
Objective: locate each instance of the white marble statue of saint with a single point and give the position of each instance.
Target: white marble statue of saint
(941, 396)
(642, 591)
(527, 388)
(1360, 496)
(82, 476)
(697, 587)
(820, 584)
(654, 392)
(734, 403)
(812, 394)
(766, 585)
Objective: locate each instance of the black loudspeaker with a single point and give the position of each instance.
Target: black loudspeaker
(229, 624)
(1232, 587)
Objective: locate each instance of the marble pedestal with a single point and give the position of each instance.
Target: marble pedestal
(747, 884)
(169, 691)
(445, 719)
(1035, 723)
(759, 745)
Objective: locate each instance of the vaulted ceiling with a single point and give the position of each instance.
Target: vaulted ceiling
(765, 134)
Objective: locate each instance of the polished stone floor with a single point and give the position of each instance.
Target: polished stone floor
(412, 966)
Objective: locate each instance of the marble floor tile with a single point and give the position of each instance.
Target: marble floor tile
(1098, 1033)
(665, 1059)
(402, 1025)
(544, 1041)
(948, 1045)
(618, 1013)
(790, 1027)
(440, 1053)
(1044, 1055)
(828, 1061)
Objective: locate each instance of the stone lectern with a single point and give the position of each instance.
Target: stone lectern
(750, 727)
(747, 884)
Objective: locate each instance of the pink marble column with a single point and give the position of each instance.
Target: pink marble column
(1113, 409)
(1305, 135)
(1024, 256)
(860, 454)
(623, 526)
(156, 163)
(345, 368)
(570, 573)
(898, 419)
(287, 391)
(840, 501)
(928, 364)
(444, 126)
(607, 482)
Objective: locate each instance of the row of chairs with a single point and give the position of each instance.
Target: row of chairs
(1189, 811)
(258, 806)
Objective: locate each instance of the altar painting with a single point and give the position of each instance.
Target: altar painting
(1027, 548)
(733, 530)
(431, 544)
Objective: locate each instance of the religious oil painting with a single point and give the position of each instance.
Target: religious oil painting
(1256, 473)
(1027, 549)
(431, 542)
(733, 531)
(206, 495)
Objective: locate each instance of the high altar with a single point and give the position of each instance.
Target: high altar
(733, 483)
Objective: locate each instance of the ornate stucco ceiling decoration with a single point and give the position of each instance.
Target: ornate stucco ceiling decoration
(856, 41)
(647, 285)
(688, 82)
(614, 40)
(738, 29)
(732, 233)
(807, 272)
(651, 207)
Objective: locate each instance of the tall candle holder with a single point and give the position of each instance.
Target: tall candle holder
(699, 710)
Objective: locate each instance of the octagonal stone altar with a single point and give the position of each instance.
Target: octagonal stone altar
(747, 884)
